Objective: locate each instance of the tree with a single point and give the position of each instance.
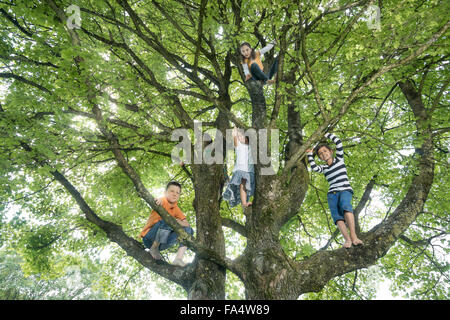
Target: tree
(75, 284)
(90, 107)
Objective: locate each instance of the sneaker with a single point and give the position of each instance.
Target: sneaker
(179, 262)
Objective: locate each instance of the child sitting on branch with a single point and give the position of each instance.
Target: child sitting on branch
(158, 235)
(252, 65)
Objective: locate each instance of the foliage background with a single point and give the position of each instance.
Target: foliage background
(43, 231)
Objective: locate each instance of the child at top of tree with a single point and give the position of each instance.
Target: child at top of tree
(340, 192)
(252, 65)
(242, 184)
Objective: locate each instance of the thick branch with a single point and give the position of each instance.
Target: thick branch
(22, 79)
(134, 177)
(113, 232)
(239, 228)
(378, 240)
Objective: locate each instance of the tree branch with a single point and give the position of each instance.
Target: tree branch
(15, 22)
(139, 186)
(318, 134)
(10, 75)
(239, 228)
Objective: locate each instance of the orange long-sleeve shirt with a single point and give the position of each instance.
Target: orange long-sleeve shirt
(171, 208)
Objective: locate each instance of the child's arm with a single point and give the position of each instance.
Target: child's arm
(183, 223)
(312, 163)
(234, 133)
(267, 48)
(238, 136)
(246, 71)
(338, 142)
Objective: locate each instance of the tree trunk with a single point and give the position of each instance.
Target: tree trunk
(268, 273)
(265, 267)
(208, 277)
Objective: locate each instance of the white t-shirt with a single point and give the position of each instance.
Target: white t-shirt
(244, 158)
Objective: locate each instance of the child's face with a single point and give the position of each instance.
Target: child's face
(246, 51)
(324, 153)
(173, 193)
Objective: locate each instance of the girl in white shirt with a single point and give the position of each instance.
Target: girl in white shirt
(242, 184)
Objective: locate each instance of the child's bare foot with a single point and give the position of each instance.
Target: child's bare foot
(246, 205)
(155, 254)
(347, 244)
(179, 262)
(271, 81)
(357, 242)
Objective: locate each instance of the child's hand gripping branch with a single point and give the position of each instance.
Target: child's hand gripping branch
(340, 192)
(182, 223)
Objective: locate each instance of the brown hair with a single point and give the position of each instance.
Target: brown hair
(173, 183)
(320, 145)
(253, 54)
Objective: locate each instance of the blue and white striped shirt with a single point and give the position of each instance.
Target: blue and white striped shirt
(336, 173)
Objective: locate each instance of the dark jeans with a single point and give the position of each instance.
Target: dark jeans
(258, 74)
(164, 234)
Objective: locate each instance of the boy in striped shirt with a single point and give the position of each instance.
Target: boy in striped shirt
(340, 192)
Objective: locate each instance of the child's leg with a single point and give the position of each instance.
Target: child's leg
(345, 205)
(350, 219)
(154, 251)
(152, 241)
(182, 250)
(161, 240)
(257, 73)
(338, 216)
(180, 253)
(243, 193)
(343, 229)
(178, 261)
(273, 69)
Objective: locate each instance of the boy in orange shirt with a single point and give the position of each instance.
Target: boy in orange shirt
(157, 235)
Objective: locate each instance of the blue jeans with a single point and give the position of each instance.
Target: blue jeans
(258, 74)
(162, 233)
(339, 202)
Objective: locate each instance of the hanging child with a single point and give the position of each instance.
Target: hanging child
(252, 65)
(340, 192)
(242, 184)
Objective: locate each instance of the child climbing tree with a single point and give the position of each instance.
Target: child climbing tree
(88, 112)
